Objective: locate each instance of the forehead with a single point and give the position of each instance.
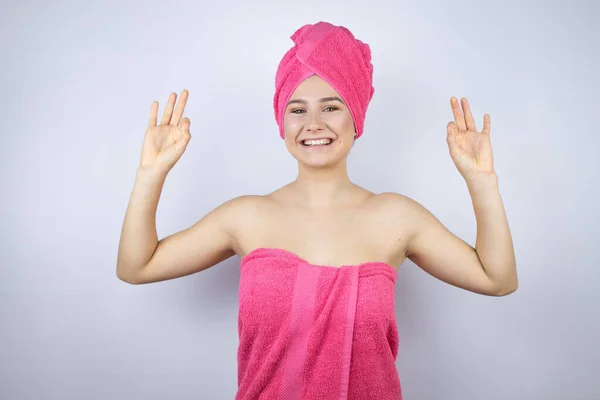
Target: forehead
(314, 86)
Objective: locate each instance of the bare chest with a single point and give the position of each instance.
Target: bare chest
(345, 237)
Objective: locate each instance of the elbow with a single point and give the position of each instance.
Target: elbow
(126, 277)
(506, 284)
(506, 291)
(506, 288)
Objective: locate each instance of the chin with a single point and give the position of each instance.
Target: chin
(318, 159)
(318, 164)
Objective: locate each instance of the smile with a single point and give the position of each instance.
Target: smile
(316, 142)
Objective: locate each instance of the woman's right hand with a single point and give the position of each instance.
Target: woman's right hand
(165, 143)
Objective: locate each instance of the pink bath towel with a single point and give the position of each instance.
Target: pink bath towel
(316, 332)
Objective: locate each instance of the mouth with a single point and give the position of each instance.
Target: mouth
(317, 142)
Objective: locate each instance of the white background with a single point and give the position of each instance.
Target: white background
(77, 81)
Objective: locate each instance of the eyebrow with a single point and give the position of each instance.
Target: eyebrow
(323, 100)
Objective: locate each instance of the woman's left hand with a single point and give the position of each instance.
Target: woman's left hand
(470, 150)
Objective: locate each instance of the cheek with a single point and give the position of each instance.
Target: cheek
(291, 122)
(340, 117)
(342, 122)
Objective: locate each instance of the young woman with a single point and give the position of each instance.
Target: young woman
(319, 256)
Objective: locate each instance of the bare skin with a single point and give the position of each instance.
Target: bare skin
(321, 216)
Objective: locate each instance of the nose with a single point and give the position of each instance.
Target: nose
(315, 123)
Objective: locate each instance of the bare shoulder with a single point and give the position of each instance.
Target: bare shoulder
(396, 205)
(244, 217)
(242, 204)
(237, 211)
(401, 211)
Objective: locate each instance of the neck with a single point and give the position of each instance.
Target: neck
(322, 187)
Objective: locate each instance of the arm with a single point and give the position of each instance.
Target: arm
(144, 259)
(490, 267)
(141, 257)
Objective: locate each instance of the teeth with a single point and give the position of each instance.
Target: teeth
(317, 142)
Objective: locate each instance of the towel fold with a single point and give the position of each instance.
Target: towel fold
(334, 54)
(316, 332)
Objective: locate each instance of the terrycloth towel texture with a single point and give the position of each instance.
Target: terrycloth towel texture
(334, 54)
(316, 332)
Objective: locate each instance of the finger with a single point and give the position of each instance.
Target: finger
(184, 127)
(153, 114)
(458, 115)
(169, 109)
(487, 124)
(180, 146)
(468, 116)
(185, 123)
(180, 108)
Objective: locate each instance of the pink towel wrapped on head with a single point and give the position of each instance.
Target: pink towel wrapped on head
(316, 332)
(334, 54)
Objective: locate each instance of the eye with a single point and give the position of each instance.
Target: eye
(301, 111)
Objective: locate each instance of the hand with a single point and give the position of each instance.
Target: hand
(165, 143)
(470, 150)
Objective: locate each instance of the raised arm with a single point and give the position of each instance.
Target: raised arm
(141, 257)
(489, 267)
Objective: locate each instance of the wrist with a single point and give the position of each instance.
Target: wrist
(482, 181)
(150, 175)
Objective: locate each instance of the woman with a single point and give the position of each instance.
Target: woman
(320, 255)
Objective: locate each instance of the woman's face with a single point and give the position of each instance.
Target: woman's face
(318, 127)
